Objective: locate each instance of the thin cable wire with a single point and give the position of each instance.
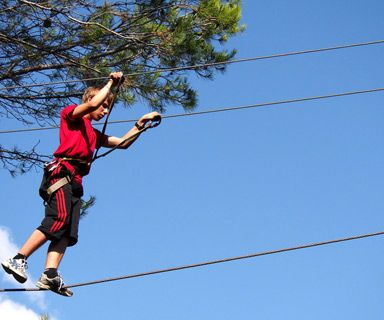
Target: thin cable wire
(198, 66)
(206, 263)
(265, 104)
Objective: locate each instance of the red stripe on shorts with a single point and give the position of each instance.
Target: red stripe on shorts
(64, 209)
(61, 211)
(54, 225)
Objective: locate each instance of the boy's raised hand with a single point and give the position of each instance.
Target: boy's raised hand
(115, 77)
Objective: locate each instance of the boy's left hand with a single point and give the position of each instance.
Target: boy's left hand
(148, 117)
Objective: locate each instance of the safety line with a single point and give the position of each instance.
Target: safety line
(265, 104)
(204, 65)
(201, 264)
(111, 105)
(127, 140)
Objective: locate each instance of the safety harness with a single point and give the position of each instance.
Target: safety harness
(50, 167)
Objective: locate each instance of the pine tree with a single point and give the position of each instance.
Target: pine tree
(71, 40)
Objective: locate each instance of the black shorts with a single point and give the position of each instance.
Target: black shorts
(62, 209)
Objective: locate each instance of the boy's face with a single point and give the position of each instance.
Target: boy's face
(101, 111)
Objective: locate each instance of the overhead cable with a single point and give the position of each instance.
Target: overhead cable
(265, 104)
(204, 65)
(206, 263)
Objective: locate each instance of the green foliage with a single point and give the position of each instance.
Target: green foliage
(71, 39)
(86, 205)
(66, 40)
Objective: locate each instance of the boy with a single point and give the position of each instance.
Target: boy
(61, 187)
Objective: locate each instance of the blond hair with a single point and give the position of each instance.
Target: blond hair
(90, 92)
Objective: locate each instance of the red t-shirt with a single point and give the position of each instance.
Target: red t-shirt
(77, 136)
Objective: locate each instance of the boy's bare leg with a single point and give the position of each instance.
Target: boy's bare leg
(50, 279)
(34, 242)
(17, 265)
(56, 252)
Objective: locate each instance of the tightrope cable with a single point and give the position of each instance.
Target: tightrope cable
(204, 65)
(265, 104)
(206, 263)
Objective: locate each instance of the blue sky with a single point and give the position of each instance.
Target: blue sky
(220, 185)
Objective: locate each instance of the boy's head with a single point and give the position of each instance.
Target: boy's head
(100, 112)
(90, 92)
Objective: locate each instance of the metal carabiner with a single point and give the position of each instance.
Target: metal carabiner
(153, 123)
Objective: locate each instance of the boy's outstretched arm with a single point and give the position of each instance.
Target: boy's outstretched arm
(111, 141)
(100, 97)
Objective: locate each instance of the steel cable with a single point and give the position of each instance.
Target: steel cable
(206, 263)
(265, 104)
(205, 65)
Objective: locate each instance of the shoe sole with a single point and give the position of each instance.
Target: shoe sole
(65, 292)
(17, 277)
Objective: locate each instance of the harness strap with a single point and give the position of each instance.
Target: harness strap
(58, 184)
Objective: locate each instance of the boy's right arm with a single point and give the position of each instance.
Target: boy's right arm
(87, 107)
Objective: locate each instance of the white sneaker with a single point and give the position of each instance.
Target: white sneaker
(17, 268)
(55, 284)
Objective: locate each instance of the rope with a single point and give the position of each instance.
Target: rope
(151, 124)
(201, 264)
(134, 136)
(266, 104)
(205, 65)
(121, 80)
